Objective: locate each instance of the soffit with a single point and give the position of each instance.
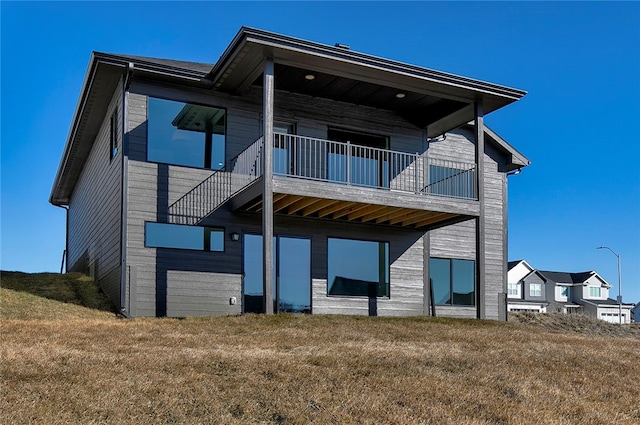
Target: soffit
(433, 99)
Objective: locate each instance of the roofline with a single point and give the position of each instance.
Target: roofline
(516, 155)
(128, 65)
(270, 39)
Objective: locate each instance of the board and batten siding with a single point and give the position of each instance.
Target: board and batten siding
(95, 209)
(192, 283)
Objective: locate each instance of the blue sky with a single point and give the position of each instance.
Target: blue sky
(579, 123)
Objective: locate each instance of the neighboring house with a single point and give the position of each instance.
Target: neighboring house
(569, 293)
(380, 179)
(635, 313)
(526, 288)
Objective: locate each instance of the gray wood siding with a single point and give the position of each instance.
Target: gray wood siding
(95, 210)
(459, 240)
(201, 283)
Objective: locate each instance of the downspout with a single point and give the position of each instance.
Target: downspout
(65, 256)
(124, 178)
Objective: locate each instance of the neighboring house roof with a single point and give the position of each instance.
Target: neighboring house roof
(436, 100)
(512, 264)
(607, 302)
(573, 278)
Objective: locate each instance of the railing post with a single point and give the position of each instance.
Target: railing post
(348, 165)
(417, 175)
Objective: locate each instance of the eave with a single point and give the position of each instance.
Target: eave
(434, 100)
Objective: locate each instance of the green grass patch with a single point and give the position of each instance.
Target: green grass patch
(49, 295)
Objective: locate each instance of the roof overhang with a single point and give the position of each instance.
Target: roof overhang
(433, 100)
(104, 74)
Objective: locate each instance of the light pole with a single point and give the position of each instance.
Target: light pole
(619, 282)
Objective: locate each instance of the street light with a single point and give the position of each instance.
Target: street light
(619, 282)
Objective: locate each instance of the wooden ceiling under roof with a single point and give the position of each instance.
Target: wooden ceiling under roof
(360, 212)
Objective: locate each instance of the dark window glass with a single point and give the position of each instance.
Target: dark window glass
(185, 134)
(440, 271)
(452, 182)
(113, 145)
(164, 235)
(463, 282)
(358, 268)
(453, 281)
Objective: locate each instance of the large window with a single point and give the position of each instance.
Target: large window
(453, 281)
(164, 235)
(358, 268)
(595, 292)
(185, 134)
(454, 182)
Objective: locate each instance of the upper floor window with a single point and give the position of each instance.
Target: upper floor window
(186, 134)
(113, 135)
(513, 290)
(595, 292)
(564, 291)
(535, 290)
(453, 281)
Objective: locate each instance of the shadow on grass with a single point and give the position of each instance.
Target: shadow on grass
(72, 288)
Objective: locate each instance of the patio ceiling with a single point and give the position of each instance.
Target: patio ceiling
(428, 99)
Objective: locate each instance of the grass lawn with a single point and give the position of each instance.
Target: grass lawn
(81, 365)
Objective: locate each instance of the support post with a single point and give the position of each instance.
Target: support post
(267, 190)
(480, 222)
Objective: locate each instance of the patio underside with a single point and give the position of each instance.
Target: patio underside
(321, 200)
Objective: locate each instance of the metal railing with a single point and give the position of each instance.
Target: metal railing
(213, 191)
(345, 163)
(332, 162)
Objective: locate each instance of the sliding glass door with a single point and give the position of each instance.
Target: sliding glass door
(292, 274)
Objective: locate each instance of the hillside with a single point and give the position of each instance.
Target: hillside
(312, 369)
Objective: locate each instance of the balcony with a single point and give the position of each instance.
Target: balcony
(342, 181)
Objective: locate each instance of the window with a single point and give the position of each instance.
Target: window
(535, 290)
(564, 291)
(357, 268)
(594, 292)
(164, 235)
(282, 149)
(513, 290)
(113, 137)
(453, 281)
(454, 182)
(185, 134)
(362, 162)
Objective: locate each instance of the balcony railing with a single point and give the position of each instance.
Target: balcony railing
(345, 163)
(331, 162)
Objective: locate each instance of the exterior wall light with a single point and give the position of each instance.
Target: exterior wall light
(235, 236)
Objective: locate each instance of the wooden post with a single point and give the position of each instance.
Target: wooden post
(267, 190)
(480, 224)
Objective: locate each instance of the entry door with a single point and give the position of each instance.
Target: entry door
(292, 274)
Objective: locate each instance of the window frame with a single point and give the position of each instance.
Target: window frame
(113, 135)
(207, 144)
(535, 293)
(387, 268)
(206, 237)
(452, 279)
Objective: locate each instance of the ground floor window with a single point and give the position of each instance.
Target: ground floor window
(357, 268)
(453, 281)
(165, 235)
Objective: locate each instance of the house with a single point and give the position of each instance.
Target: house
(635, 313)
(562, 292)
(526, 288)
(289, 176)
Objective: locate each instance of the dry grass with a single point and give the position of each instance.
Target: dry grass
(314, 369)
